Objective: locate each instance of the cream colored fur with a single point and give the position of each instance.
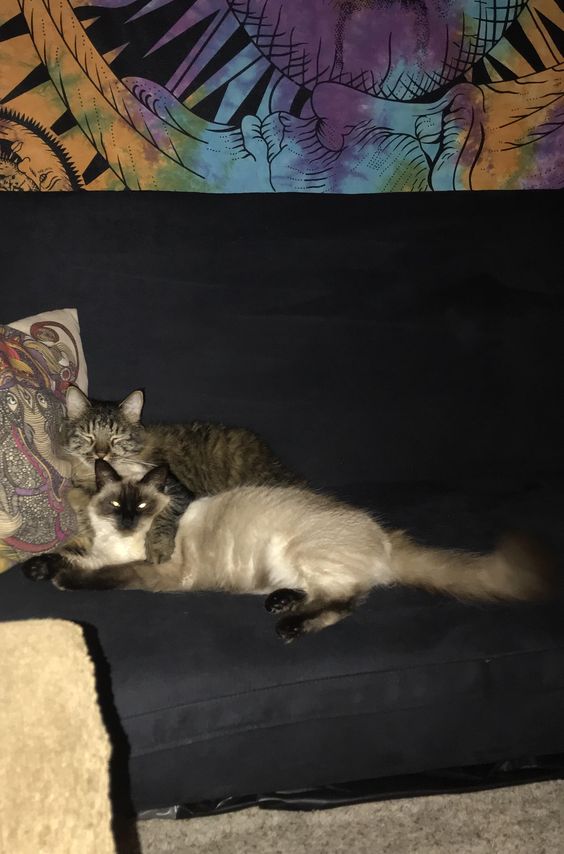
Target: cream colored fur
(318, 557)
(260, 539)
(110, 546)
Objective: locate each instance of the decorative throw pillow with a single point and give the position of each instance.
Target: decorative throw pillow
(39, 357)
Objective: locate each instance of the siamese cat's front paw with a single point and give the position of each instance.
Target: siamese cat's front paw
(290, 628)
(284, 599)
(41, 567)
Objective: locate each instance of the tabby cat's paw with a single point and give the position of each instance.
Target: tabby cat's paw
(40, 567)
(290, 628)
(284, 599)
(159, 553)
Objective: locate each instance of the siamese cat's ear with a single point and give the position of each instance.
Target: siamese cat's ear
(156, 478)
(77, 402)
(105, 473)
(132, 406)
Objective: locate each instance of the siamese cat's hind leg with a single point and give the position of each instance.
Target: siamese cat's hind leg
(324, 587)
(284, 599)
(310, 620)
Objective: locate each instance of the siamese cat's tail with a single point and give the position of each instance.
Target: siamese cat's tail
(518, 569)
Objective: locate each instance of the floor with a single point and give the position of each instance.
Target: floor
(517, 820)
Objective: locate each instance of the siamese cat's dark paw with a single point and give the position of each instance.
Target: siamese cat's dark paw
(285, 599)
(41, 567)
(290, 628)
(66, 579)
(59, 581)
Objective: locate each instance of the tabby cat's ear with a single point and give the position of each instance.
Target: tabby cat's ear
(77, 402)
(156, 478)
(132, 406)
(105, 473)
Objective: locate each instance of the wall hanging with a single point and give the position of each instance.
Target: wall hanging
(327, 96)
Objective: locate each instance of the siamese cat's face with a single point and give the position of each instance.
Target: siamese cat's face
(128, 505)
(95, 430)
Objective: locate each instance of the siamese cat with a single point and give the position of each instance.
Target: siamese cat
(310, 555)
(117, 517)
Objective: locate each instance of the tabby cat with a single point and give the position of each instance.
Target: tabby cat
(310, 554)
(202, 459)
(206, 458)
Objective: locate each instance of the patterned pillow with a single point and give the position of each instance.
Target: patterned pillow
(39, 357)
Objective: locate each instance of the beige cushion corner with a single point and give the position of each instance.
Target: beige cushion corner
(54, 750)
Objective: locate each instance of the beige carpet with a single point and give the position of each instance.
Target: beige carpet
(520, 820)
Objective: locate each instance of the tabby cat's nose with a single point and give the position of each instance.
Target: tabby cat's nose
(101, 455)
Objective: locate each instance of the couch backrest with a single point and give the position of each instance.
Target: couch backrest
(371, 338)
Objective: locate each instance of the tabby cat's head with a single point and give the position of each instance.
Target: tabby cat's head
(98, 430)
(130, 505)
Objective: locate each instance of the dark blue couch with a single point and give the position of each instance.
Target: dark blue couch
(406, 352)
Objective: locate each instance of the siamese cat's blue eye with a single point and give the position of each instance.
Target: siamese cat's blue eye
(115, 503)
(142, 505)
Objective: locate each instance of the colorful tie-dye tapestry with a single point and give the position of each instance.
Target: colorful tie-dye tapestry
(323, 96)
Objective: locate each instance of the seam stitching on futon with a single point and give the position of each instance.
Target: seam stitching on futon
(228, 731)
(319, 679)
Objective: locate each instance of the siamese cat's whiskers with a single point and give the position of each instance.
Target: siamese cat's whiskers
(83, 531)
